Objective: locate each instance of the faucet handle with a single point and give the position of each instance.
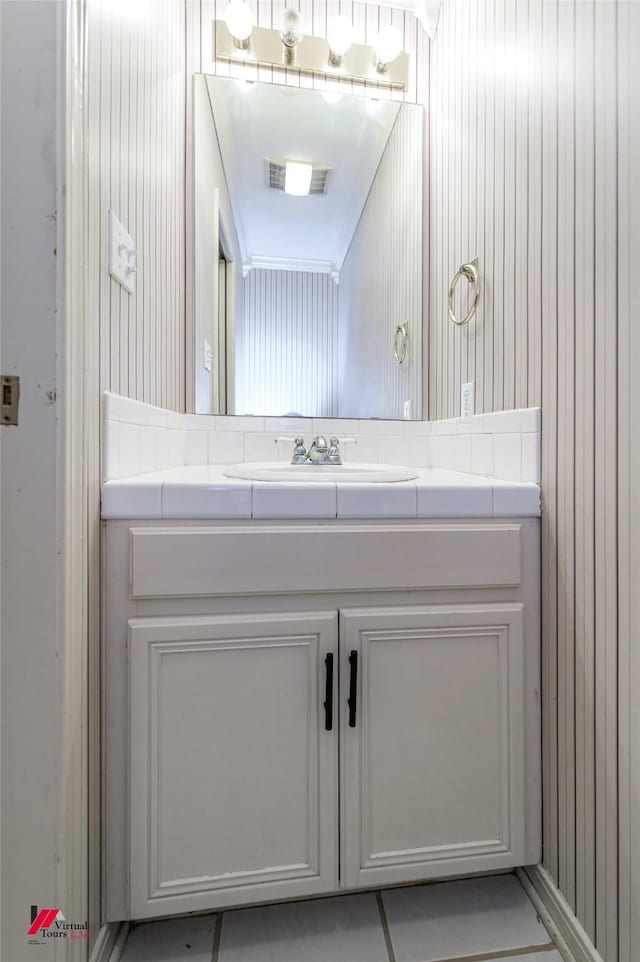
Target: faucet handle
(334, 450)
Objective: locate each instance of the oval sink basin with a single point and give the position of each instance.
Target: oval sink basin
(323, 473)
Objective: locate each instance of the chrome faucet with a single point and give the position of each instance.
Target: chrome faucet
(299, 451)
(319, 451)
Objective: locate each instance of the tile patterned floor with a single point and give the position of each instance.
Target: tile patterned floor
(488, 919)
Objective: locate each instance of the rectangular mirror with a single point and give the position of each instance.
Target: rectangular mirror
(308, 252)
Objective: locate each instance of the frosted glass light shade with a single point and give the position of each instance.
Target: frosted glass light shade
(297, 178)
(291, 30)
(339, 37)
(239, 19)
(388, 47)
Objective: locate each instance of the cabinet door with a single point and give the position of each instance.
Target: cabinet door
(433, 756)
(233, 777)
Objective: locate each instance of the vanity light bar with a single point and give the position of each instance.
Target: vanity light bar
(311, 55)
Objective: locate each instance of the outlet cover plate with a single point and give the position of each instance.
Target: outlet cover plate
(468, 399)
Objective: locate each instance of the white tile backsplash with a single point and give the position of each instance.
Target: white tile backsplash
(140, 438)
(290, 427)
(260, 447)
(195, 447)
(393, 450)
(226, 447)
(530, 457)
(420, 452)
(462, 454)
(239, 423)
(507, 455)
(503, 422)
(364, 451)
(482, 454)
(338, 427)
(504, 444)
(378, 427)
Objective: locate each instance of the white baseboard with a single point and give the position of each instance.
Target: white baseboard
(573, 943)
(110, 942)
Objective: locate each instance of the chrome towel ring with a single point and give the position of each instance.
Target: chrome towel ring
(400, 341)
(470, 272)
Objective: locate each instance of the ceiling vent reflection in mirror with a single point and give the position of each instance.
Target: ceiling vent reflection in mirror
(276, 175)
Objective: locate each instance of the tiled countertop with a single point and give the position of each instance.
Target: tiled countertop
(204, 492)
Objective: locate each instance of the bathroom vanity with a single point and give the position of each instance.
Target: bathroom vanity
(296, 706)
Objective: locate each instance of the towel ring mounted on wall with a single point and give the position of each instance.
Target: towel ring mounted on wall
(470, 272)
(400, 342)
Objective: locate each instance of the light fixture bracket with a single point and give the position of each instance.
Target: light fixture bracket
(312, 54)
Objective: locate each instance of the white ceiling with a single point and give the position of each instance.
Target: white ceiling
(254, 121)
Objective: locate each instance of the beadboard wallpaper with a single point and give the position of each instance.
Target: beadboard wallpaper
(287, 345)
(534, 143)
(136, 88)
(381, 284)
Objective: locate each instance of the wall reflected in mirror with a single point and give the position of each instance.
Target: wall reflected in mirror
(308, 252)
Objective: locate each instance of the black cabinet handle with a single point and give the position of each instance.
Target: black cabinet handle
(328, 694)
(353, 688)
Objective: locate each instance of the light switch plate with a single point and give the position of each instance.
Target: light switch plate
(122, 254)
(208, 356)
(468, 399)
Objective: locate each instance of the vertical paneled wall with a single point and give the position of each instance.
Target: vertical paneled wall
(136, 87)
(287, 346)
(534, 142)
(628, 528)
(381, 285)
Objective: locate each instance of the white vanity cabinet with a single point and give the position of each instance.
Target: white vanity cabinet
(278, 744)
(234, 779)
(433, 774)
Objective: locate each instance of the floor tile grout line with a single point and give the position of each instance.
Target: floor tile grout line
(217, 936)
(498, 954)
(385, 927)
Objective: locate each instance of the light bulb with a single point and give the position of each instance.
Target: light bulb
(239, 20)
(388, 47)
(340, 38)
(291, 30)
(297, 178)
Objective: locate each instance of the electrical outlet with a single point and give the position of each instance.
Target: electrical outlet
(468, 400)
